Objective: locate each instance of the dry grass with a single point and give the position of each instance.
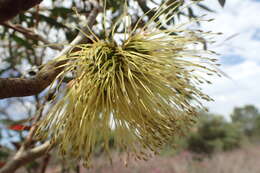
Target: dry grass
(240, 161)
(244, 160)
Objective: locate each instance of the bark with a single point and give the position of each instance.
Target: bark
(10, 8)
(23, 157)
(20, 87)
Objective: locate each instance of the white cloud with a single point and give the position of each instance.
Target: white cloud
(242, 18)
(238, 17)
(241, 89)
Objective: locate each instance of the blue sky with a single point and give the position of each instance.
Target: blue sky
(240, 56)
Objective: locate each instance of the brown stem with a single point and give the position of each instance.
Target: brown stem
(20, 87)
(28, 33)
(46, 161)
(23, 157)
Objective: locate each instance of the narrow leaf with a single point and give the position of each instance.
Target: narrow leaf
(222, 2)
(190, 13)
(22, 41)
(204, 7)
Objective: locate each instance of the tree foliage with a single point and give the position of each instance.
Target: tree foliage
(248, 118)
(215, 134)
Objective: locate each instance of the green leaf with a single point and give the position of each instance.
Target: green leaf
(222, 2)
(204, 7)
(21, 41)
(190, 13)
(61, 11)
(51, 21)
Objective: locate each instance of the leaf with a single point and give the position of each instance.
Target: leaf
(204, 7)
(28, 18)
(19, 127)
(190, 13)
(222, 2)
(70, 35)
(61, 11)
(52, 21)
(21, 41)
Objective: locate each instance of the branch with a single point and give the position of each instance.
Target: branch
(10, 8)
(23, 157)
(29, 34)
(25, 154)
(19, 87)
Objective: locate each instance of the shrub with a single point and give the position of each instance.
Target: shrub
(214, 134)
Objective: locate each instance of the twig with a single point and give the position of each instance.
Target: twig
(29, 34)
(20, 87)
(23, 157)
(46, 161)
(29, 139)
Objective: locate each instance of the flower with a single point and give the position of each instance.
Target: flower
(145, 91)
